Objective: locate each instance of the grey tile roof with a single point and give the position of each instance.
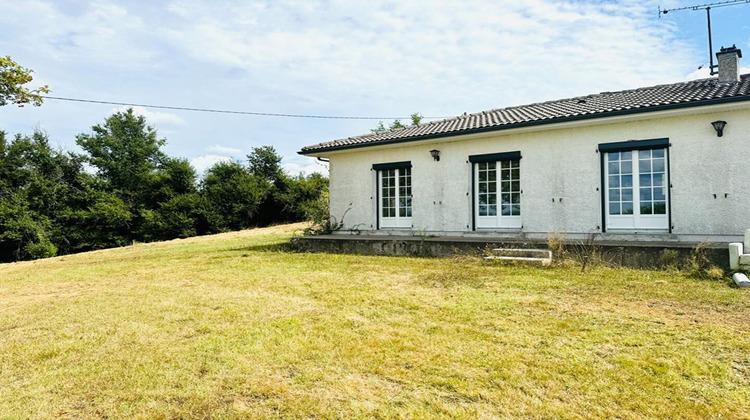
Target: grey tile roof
(648, 99)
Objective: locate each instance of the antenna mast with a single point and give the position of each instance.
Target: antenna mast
(707, 7)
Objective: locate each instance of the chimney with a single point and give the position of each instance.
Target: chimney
(729, 64)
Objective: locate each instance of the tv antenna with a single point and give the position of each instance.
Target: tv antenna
(707, 7)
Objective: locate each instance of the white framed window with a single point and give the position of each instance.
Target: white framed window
(394, 195)
(497, 190)
(636, 185)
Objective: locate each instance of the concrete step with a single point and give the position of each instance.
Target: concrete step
(523, 252)
(525, 255)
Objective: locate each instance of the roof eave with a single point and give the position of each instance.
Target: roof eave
(665, 107)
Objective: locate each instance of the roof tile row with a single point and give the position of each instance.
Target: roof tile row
(693, 93)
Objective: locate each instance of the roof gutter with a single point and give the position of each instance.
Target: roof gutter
(306, 151)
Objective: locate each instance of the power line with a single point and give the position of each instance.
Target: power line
(222, 111)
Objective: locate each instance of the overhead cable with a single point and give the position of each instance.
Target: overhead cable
(223, 111)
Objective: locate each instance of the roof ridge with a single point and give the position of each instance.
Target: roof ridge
(554, 101)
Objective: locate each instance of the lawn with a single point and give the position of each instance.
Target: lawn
(233, 326)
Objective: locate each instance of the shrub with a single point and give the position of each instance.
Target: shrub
(556, 244)
(700, 264)
(715, 273)
(42, 249)
(669, 259)
(319, 215)
(587, 253)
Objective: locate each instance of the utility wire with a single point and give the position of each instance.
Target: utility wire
(221, 111)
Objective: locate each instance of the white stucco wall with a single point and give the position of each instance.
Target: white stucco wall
(561, 161)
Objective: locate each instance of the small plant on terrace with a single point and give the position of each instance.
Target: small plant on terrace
(322, 222)
(556, 244)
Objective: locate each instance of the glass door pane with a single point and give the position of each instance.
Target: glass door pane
(620, 177)
(395, 206)
(652, 178)
(636, 189)
(388, 193)
(487, 183)
(404, 192)
(498, 194)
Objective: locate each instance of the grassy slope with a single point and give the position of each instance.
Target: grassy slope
(225, 326)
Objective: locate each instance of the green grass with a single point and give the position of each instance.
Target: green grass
(230, 326)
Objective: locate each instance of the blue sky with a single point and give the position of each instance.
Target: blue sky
(365, 58)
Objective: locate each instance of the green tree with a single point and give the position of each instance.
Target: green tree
(181, 216)
(13, 77)
(50, 205)
(233, 196)
(158, 192)
(36, 183)
(379, 129)
(265, 162)
(174, 177)
(288, 199)
(416, 119)
(301, 196)
(126, 154)
(23, 233)
(96, 219)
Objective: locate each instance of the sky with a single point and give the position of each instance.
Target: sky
(379, 59)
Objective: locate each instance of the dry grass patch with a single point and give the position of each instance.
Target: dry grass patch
(229, 326)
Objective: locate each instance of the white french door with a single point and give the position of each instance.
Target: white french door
(636, 189)
(498, 194)
(395, 204)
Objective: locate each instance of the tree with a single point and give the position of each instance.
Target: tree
(95, 219)
(265, 163)
(416, 119)
(50, 205)
(233, 196)
(127, 155)
(395, 125)
(379, 129)
(13, 77)
(173, 178)
(303, 195)
(36, 183)
(180, 217)
(149, 195)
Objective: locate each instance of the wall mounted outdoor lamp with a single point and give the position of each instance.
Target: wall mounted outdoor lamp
(719, 127)
(435, 154)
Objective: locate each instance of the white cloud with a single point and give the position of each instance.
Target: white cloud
(495, 52)
(292, 166)
(201, 163)
(224, 150)
(156, 118)
(333, 57)
(306, 168)
(105, 32)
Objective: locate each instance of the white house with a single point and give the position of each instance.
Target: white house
(661, 163)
